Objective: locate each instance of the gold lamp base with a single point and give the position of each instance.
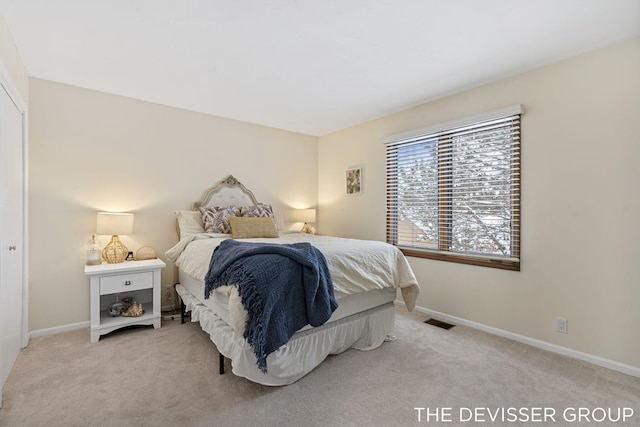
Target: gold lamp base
(115, 251)
(307, 229)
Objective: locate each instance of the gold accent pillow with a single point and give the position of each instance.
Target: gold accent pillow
(248, 227)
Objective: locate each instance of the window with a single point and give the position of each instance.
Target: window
(453, 190)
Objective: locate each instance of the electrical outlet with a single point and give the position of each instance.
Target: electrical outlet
(168, 298)
(561, 325)
(167, 293)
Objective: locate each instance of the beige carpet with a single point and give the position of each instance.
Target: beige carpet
(168, 377)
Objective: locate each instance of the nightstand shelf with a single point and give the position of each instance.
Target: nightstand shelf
(106, 321)
(137, 279)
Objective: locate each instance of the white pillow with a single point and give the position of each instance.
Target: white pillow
(189, 223)
(278, 218)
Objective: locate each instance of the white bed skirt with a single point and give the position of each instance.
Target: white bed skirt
(304, 351)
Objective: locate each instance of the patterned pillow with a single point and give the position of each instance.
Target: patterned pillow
(257, 211)
(216, 219)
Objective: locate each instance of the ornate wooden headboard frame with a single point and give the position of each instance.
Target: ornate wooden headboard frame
(229, 191)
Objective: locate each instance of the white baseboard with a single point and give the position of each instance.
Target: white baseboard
(59, 329)
(74, 326)
(595, 360)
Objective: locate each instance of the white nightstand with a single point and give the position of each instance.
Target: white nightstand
(137, 279)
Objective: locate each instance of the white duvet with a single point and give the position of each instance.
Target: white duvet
(355, 265)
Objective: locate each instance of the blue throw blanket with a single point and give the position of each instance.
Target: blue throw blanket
(283, 287)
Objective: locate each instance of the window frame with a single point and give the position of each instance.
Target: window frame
(443, 253)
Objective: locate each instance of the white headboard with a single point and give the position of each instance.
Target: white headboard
(228, 192)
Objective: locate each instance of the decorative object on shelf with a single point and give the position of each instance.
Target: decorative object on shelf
(354, 181)
(116, 307)
(126, 303)
(94, 253)
(114, 224)
(306, 216)
(145, 252)
(136, 310)
(129, 256)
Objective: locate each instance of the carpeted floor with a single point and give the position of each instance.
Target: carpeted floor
(168, 377)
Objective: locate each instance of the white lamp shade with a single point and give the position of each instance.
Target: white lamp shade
(114, 223)
(304, 215)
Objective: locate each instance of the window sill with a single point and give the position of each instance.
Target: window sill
(503, 264)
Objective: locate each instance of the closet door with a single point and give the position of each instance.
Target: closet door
(11, 233)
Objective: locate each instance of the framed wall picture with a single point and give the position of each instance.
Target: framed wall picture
(354, 181)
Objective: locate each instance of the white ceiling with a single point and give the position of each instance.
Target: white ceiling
(308, 66)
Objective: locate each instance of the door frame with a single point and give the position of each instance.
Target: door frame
(7, 83)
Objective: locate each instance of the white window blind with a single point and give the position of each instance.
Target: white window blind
(453, 193)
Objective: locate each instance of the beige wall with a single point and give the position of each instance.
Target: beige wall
(580, 204)
(91, 151)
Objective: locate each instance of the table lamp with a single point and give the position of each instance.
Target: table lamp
(114, 224)
(305, 215)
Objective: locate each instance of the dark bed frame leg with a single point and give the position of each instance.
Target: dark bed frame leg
(221, 359)
(183, 314)
(183, 308)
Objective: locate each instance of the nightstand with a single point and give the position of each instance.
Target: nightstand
(137, 279)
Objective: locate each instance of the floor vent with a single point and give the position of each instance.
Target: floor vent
(439, 323)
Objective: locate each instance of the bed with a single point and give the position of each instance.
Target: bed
(365, 275)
